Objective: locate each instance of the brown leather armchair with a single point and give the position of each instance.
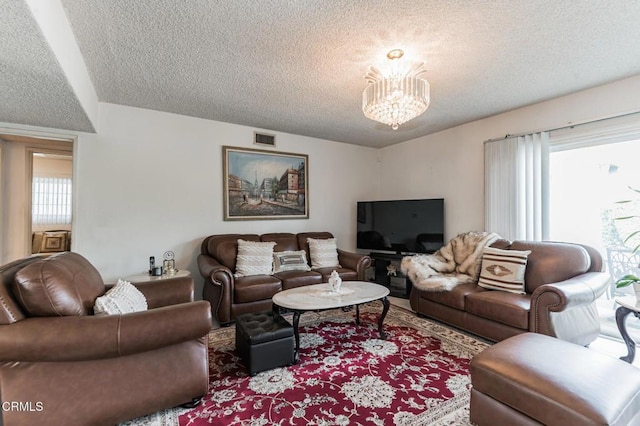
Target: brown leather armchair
(85, 369)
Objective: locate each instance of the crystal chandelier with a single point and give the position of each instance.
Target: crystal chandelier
(397, 96)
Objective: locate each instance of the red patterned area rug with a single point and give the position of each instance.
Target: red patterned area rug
(346, 375)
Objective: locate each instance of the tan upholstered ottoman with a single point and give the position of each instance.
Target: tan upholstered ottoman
(533, 379)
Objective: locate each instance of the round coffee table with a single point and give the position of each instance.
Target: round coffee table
(320, 297)
(628, 305)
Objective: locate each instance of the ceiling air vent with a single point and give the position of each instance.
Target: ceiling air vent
(264, 139)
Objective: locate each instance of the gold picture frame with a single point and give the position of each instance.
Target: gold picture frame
(264, 185)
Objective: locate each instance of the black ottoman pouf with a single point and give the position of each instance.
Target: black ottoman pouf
(264, 340)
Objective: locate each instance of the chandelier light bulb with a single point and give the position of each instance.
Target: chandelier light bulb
(397, 96)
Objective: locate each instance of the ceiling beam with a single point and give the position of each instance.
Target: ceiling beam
(56, 29)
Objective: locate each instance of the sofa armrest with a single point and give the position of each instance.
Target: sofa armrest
(579, 290)
(165, 292)
(572, 300)
(63, 339)
(218, 287)
(354, 261)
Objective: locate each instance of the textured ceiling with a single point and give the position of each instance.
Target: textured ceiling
(33, 89)
(298, 66)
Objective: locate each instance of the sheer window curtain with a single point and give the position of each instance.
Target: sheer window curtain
(517, 187)
(51, 201)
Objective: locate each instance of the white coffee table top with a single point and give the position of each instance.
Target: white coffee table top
(320, 296)
(629, 302)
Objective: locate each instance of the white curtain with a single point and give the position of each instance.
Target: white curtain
(517, 187)
(51, 201)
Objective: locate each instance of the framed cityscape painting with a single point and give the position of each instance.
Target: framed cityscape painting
(264, 184)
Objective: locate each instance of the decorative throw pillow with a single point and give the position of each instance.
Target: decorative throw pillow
(290, 261)
(53, 242)
(122, 298)
(254, 258)
(503, 270)
(324, 253)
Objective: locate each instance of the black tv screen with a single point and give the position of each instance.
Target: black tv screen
(401, 226)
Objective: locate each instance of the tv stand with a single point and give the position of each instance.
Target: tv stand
(386, 272)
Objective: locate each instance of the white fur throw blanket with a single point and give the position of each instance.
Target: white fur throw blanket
(457, 262)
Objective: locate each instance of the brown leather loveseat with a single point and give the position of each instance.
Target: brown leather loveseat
(62, 365)
(231, 296)
(562, 283)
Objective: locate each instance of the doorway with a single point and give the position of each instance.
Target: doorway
(24, 157)
(51, 200)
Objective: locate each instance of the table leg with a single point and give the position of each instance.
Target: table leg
(357, 314)
(296, 335)
(621, 314)
(385, 309)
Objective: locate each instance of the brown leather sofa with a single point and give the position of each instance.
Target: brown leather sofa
(83, 369)
(562, 283)
(231, 296)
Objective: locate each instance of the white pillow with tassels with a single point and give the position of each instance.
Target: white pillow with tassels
(122, 298)
(254, 258)
(323, 253)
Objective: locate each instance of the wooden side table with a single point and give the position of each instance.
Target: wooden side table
(628, 305)
(146, 277)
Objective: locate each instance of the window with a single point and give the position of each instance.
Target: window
(587, 184)
(51, 203)
(584, 172)
(592, 168)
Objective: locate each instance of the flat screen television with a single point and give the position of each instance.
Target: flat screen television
(401, 226)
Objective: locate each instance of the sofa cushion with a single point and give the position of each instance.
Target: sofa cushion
(122, 298)
(255, 288)
(290, 261)
(61, 285)
(284, 241)
(254, 258)
(224, 248)
(503, 270)
(551, 262)
(344, 273)
(324, 253)
(293, 279)
(454, 298)
(507, 308)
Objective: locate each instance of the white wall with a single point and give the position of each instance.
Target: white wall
(450, 164)
(151, 182)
